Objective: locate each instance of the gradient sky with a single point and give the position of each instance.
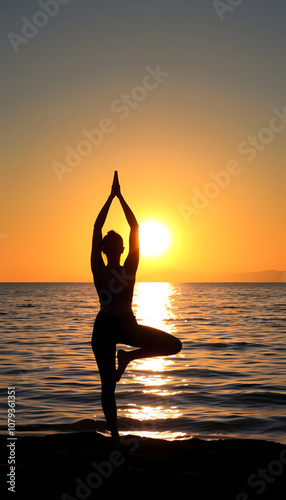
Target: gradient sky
(225, 77)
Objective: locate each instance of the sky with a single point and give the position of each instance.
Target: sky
(185, 99)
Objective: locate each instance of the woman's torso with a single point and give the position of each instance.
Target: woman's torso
(115, 289)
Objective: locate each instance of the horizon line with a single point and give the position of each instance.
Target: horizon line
(145, 281)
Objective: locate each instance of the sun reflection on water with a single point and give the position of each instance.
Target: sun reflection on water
(152, 413)
(153, 307)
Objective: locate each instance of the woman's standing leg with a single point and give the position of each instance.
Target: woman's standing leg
(105, 357)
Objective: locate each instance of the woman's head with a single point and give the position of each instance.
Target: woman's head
(112, 244)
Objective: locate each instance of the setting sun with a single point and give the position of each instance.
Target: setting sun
(154, 238)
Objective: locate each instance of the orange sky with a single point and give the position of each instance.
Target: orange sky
(199, 89)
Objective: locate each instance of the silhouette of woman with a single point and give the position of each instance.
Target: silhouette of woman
(115, 322)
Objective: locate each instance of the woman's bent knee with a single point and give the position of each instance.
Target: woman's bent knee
(173, 345)
(177, 345)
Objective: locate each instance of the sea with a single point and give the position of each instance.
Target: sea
(229, 380)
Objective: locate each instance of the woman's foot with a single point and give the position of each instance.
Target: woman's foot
(123, 360)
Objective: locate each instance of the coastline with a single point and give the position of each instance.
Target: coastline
(85, 465)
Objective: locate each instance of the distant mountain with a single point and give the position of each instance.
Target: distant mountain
(181, 276)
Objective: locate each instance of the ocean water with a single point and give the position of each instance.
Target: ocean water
(229, 380)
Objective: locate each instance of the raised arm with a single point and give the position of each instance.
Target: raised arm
(132, 259)
(96, 257)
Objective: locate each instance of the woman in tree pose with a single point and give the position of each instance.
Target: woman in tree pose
(115, 322)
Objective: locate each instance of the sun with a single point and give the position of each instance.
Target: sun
(154, 238)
